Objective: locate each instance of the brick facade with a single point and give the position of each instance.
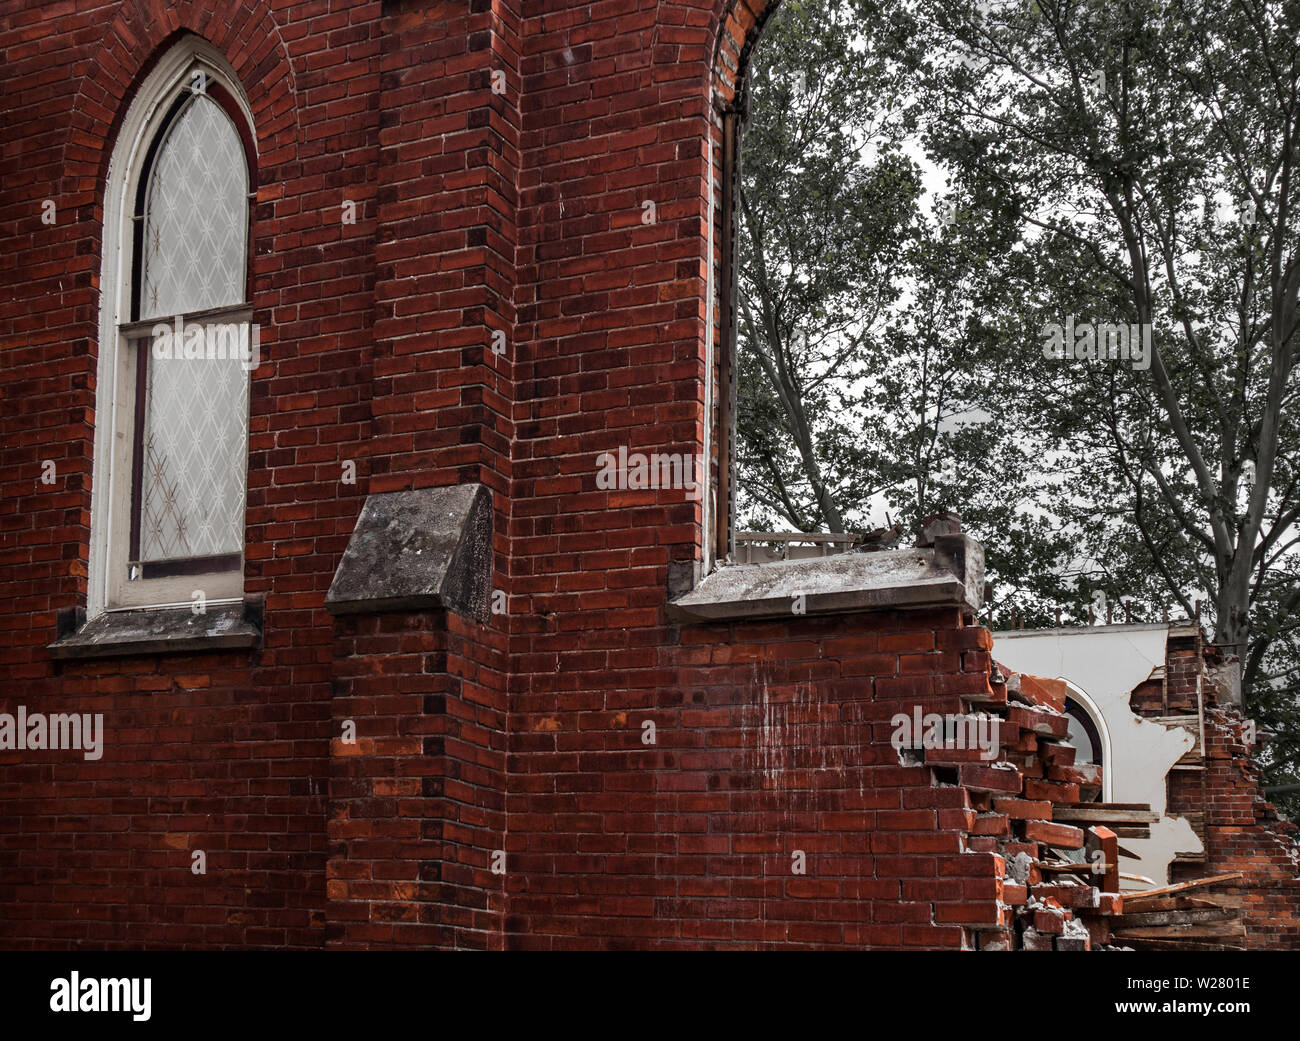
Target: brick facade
(576, 770)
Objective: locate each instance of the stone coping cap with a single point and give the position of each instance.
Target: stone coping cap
(949, 574)
(418, 550)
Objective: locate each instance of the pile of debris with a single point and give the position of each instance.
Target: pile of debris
(1034, 807)
(1173, 918)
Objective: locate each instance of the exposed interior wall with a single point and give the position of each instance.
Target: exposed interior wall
(1199, 772)
(1107, 664)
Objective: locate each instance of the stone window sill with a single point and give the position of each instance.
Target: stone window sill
(948, 573)
(117, 634)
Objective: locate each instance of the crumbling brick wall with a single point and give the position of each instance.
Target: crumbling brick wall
(1239, 828)
(1041, 909)
(766, 806)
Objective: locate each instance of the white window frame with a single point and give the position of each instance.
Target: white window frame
(108, 588)
(1084, 700)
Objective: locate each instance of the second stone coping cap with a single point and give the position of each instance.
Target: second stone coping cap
(951, 574)
(417, 550)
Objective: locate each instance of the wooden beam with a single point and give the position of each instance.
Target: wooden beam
(1185, 945)
(1093, 811)
(1176, 917)
(1200, 902)
(1174, 932)
(1195, 883)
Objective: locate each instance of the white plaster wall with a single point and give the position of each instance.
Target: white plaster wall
(1105, 663)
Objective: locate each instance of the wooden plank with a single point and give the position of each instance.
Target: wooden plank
(1185, 945)
(1187, 903)
(1224, 931)
(1188, 722)
(1103, 814)
(1217, 899)
(1193, 884)
(1176, 917)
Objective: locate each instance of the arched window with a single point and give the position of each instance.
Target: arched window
(1084, 734)
(1089, 735)
(177, 342)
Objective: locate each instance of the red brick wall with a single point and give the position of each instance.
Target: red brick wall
(205, 754)
(226, 752)
(478, 211)
(417, 800)
(1243, 831)
(769, 738)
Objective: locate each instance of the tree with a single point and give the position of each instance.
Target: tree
(1115, 134)
(1115, 166)
(866, 317)
(827, 204)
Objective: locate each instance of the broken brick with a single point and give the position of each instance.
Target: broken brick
(1048, 693)
(1024, 809)
(989, 779)
(1063, 835)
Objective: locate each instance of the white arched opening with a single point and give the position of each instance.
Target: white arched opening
(1080, 697)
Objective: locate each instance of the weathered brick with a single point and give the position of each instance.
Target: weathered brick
(1063, 835)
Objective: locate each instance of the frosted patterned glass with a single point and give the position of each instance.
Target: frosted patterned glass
(194, 250)
(196, 450)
